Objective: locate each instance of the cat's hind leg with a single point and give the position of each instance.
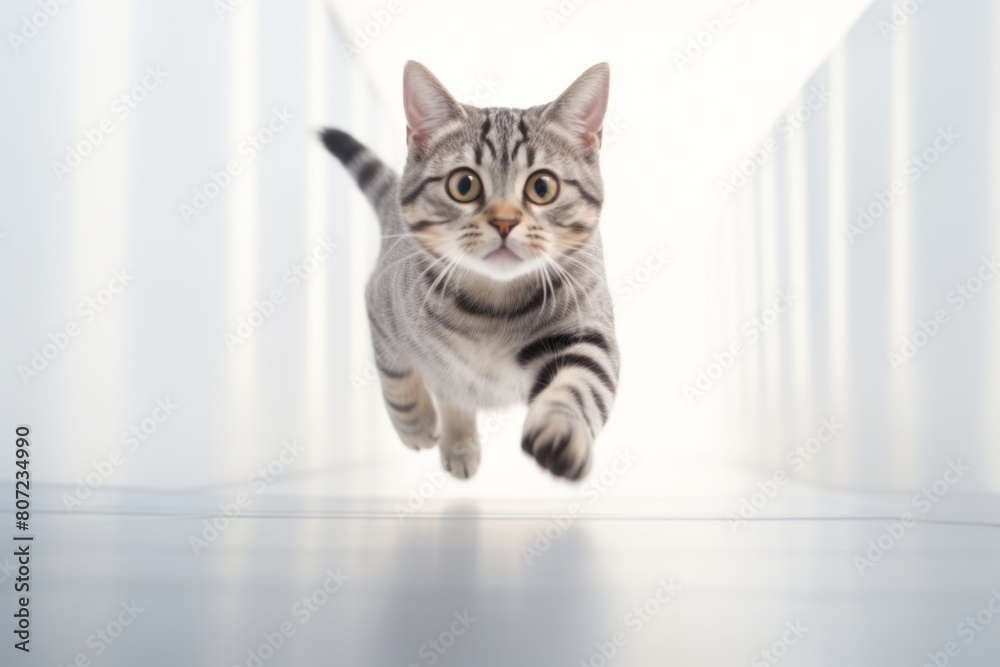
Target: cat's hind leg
(411, 409)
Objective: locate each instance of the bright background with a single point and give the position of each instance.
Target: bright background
(827, 550)
(674, 134)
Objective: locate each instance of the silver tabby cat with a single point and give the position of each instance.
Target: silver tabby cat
(489, 287)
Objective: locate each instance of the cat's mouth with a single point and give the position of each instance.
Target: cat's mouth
(503, 256)
(503, 264)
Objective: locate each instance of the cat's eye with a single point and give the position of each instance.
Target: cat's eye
(542, 187)
(464, 185)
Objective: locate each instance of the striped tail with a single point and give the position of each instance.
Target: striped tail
(376, 180)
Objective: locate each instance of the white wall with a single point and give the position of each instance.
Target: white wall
(896, 94)
(681, 130)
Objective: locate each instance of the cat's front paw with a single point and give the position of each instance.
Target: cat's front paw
(418, 429)
(559, 441)
(411, 411)
(461, 458)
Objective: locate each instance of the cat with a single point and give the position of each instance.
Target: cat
(489, 287)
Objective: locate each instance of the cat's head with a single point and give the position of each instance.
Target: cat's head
(502, 192)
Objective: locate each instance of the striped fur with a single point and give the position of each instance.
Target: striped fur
(453, 327)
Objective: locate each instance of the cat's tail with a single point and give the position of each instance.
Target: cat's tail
(375, 178)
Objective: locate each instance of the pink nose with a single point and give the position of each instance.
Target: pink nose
(504, 225)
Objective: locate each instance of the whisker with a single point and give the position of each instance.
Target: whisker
(451, 269)
(567, 279)
(541, 273)
(402, 259)
(579, 262)
(452, 258)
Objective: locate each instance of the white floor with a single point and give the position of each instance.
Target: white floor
(787, 582)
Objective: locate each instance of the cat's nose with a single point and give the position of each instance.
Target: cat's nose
(504, 216)
(504, 225)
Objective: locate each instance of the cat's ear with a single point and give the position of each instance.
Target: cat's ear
(427, 103)
(581, 107)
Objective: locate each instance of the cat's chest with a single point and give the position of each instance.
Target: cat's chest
(494, 357)
(482, 372)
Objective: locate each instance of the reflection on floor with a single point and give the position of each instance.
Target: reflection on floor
(814, 578)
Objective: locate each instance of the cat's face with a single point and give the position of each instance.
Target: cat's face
(502, 192)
